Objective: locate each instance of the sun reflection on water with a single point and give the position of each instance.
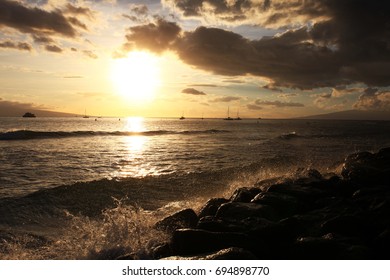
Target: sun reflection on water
(134, 145)
(135, 124)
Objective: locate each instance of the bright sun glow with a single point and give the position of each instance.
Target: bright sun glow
(136, 76)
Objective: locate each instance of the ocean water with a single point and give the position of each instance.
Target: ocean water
(74, 188)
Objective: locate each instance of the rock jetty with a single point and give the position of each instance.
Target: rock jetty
(310, 216)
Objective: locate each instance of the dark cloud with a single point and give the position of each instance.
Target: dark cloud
(34, 20)
(346, 42)
(343, 91)
(192, 91)
(265, 13)
(41, 39)
(90, 54)
(203, 85)
(234, 81)
(226, 99)
(272, 87)
(140, 9)
(79, 11)
(254, 107)
(53, 48)
(224, 10)
(74, 21)
(278, 104)
(156, 37)
(18, 46)
(372, 99)
(287, 95)
(326, 95)
(138, 13)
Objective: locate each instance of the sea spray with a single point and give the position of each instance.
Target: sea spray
(122, 230)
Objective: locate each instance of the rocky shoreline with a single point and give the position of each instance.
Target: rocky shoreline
(310, 216)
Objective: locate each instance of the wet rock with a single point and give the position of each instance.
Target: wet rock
(307, 176)
(211, 207)
(349, 226)
(306, 194)
(241, 210)
(183, 219)
(244, 194)
(286, 205)
(381, 245)
(317, 248)
(232, 253)
(195, 241)
(365, 167)
(161, 251)
(211, 223)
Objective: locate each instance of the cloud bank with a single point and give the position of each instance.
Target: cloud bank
(341, 42)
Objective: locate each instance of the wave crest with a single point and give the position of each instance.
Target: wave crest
(30, 134)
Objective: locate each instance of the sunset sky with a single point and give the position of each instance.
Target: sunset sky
(268, 58)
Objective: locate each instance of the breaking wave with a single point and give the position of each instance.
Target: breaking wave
(30, 134)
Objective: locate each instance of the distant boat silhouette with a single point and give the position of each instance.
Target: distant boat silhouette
(29, 115)
(85, 114)
(238, 117)
(182, 117)
(228, 116)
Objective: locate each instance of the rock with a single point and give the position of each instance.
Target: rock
(307, 176)
(232, 253)
(365, 167)
(244, 194)
(381, 245)
(161, 251)
(316, 248)
(286, 205)
(241, 210)
(211, 223)
(307, 194)
(183, 219)
(349, 226)
(196, 241)
(211, 207)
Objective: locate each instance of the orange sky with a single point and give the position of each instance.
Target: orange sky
(271, 59)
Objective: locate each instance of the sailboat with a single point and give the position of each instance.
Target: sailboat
(238, 117)
(182, 117)
(228, 116)
(85, 114)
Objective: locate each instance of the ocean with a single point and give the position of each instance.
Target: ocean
(75, 188)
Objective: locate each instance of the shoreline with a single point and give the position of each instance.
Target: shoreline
(308, 217)
(302, 215)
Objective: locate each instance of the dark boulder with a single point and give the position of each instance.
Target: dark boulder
(196, 241)
(284, 204)
(183, 219)
(211, 223)
(317, 248)
(348, 225)
(244, 194)
(241, 210)
(232, 253)
(364, 167)
(211, 207)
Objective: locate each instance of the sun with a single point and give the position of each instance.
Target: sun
(136, 76)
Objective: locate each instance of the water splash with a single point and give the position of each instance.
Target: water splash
(123, 230)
